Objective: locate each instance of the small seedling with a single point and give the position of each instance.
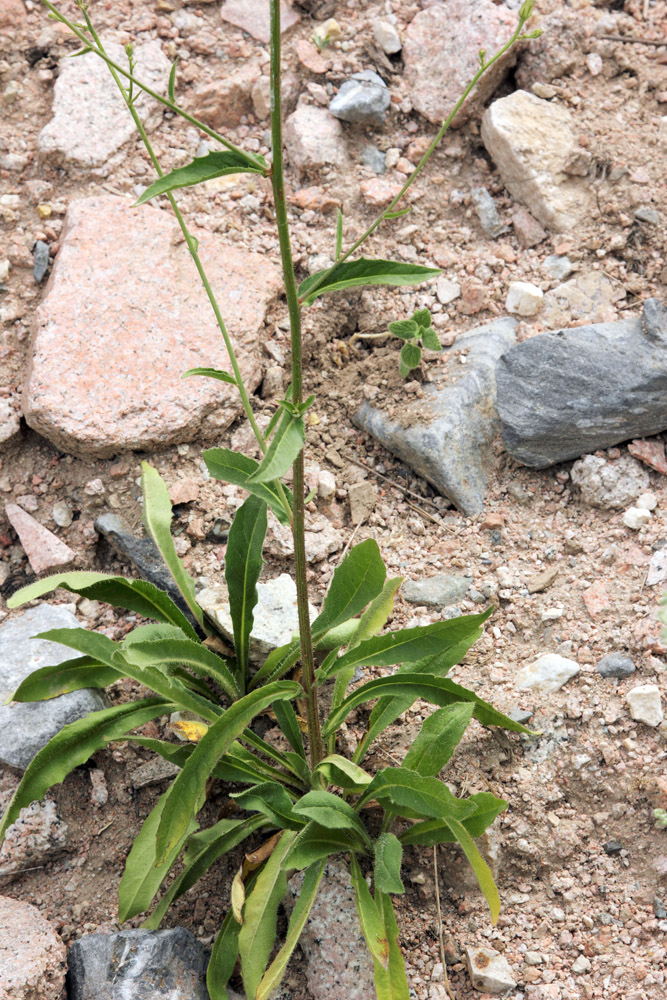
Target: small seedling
(418, 334)
(660, 817)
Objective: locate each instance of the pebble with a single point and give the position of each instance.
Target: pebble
(253, 16)
(657, 570)
(374, 158)
(524, 299)
(489, 971)
(527, 229)
(609, 485)
(314, 139)
(378, 193)
(647, 501)
(615, 665)
(223, 101)
(43, 549)
(439, 591)
(547, 674)
(530, 140)
(447, 291)
(62, 514)
(580, 965)
(364, 99)
(651, 453)
(558, 267)
(487, 212)
(589, 297)
(10, 424)
(109, 400)
(33, 959)
(387, 37)
(41, 265)
(140, 964)
(645, 704)
(36, 837)
(636, 518)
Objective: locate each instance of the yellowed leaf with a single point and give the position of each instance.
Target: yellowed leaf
(192, 731)
(238, 896)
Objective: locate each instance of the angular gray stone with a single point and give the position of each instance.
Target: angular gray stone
(564, 394)
(38, 834)
(437, 591)
(445, 436)
(615, 665)
(487, 212)
(90, 118)
(364, 99)
(338, 964)
(609, 485)
(489, 971)
(28, 726)
(138, 964)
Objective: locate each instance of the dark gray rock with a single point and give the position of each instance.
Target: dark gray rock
(615, 665)
(439, 591)
(28, 726)
(364, 99)
(137, 964)
(446, 435)
(374, 158)
(568, 393)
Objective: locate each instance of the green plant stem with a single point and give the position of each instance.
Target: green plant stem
(424, 160)
(190, 243)
(315, 746)
(117, 69)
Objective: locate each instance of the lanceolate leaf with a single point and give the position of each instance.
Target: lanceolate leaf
(376, 615)
(411, 795)
(435, 831)
(439, 736)
(140, 596)
(72, 675)
(157, 518)
(286, 443)
(186, 789)
(388, 858)
(390, 983)
(304, 904)
(243, 564)
(171, 89)
(271, 800)
(410, 644)
(73, 745)
(201, 659)
(142, 877)
(316, 842)
(232, 467)
(358, 580)
(370, 919)
(211, 373)
(258, 932)
(365, 272)
(202, 168)
(344, 773)
(339, 232)
(224, 953)
(479, 866)
(289, 724)
(331, 812)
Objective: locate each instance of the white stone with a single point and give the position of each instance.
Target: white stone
(90, 118)
(547, 674)
(387, 37)
(4, 269)
(645, 704)
(531, 141)
(551, 614)
(447, 291)
(524, 299)
(276, 618)
(9, 422)
(582, 964)
(594, 63)
(489, 971)
(326, 484)
(657, 570)
(314, 139)
(636, 518)
(609, 485)
(647, 501)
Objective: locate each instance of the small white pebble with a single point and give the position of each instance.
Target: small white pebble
(636, 518)
(582, 964)
(524, 299)
(594, 63)
(647, 501)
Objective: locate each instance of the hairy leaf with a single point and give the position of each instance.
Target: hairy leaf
(439, 736)
(411, 355)
(243, 565)
(289, 724)
(358, 580)
(353, 273)
(406, 329)
(303, 906)
(211, 373)
(370, 919)
(390, 983)
(73, 745)
(202, 168)
(231, 467)
(479, 866)
(201, 659)
(387, 869)
(271, 800)
(339, 232)
(186, 789)
(258, 932)
(72, 675)
(422, 318)
(433, 831)
(157, 518)
(140, 596)
(330, 811)
(414, 796)
(430, 339)
(376, 615)
(316, 842)
(344, 773)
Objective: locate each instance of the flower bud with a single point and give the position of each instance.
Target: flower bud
(526, 11)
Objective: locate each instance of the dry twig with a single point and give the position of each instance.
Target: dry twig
(633, 41)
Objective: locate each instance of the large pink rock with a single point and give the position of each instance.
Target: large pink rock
(44, 550)
(254, 16)
(124, 316)
(441, 49)
(32, 956)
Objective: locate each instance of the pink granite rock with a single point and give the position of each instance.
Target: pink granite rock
(43, 549)
(12, 14)
(222, 102)
(253, 16)
(314, 139)
(441, 54)
(124, 316)
(32, 956)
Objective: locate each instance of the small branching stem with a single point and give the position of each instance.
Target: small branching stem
(484, 66)
(315, 746)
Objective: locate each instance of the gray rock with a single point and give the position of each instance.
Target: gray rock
(615, 665)
(143, 965)
(90, 119)
(489, 971)
(609, 485)
(364, 99)
(27, 727)
(374, 158)
(558, 268)
(446, 435)
(486, 209)
(338, 963)
(563, 394)
(647, 214)
(38, 834)
(20, 654)
(41, 265)
(437, 591)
